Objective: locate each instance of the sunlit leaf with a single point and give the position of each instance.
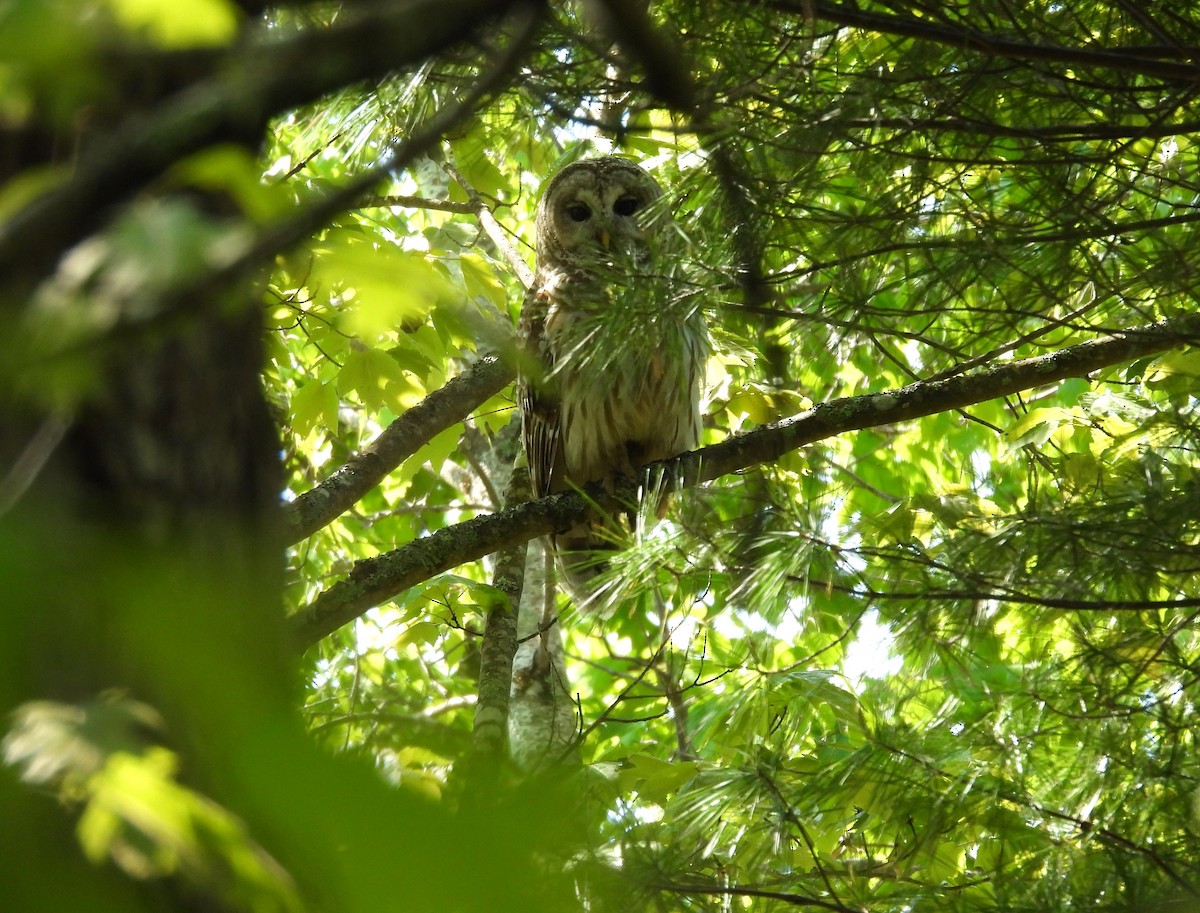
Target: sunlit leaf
(314, 404)
(179, 23)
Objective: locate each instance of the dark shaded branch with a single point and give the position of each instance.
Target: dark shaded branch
(1049, 133)
(669, 76)
(422, 139)
(198, 291)
(965, 240)
(1046, 602)
(1144, 61)
(235, 107)
(375, 580)
(400, 440)
(662, 60)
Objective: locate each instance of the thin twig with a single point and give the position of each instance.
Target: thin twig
(492, 228)
(399, 199)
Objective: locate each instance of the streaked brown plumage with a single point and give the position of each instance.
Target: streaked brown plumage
(614, 355)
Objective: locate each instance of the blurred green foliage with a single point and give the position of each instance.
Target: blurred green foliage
(947, 665)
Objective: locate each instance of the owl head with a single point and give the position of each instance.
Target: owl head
(595, 209)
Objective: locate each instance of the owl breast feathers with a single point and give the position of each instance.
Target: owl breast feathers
(614, 351)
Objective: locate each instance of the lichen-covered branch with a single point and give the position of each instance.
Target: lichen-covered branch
(500, 636)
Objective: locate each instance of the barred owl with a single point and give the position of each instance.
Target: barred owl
(614, 353)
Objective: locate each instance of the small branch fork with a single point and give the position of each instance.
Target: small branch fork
(492, 228)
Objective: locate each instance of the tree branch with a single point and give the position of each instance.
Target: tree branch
(966, 240)
(1143, 61)
(401, 439)
(235, 106)
(490, 736)
(1068, 133)
(491, 227)
(437, 412)
(375, 580)
(1046, 602)
(418, 203)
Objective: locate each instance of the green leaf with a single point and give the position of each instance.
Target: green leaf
(431, 455)
(417, 634)
(314, 404)
(473, 156)
(381, 288)
(1036, 427)
(178, 24)
(481, 281)
(378, 380)
(653, 779)
(234, 171)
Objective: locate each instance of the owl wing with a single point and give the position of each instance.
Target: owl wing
(536, 397)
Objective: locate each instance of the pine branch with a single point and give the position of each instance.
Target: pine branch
(1018, 796)
(375, 580)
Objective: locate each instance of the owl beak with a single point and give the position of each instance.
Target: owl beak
(605, 237)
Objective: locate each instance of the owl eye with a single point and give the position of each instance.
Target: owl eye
(626, 206)
(578, 212)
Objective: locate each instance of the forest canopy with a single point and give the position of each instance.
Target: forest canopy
(917, 630)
